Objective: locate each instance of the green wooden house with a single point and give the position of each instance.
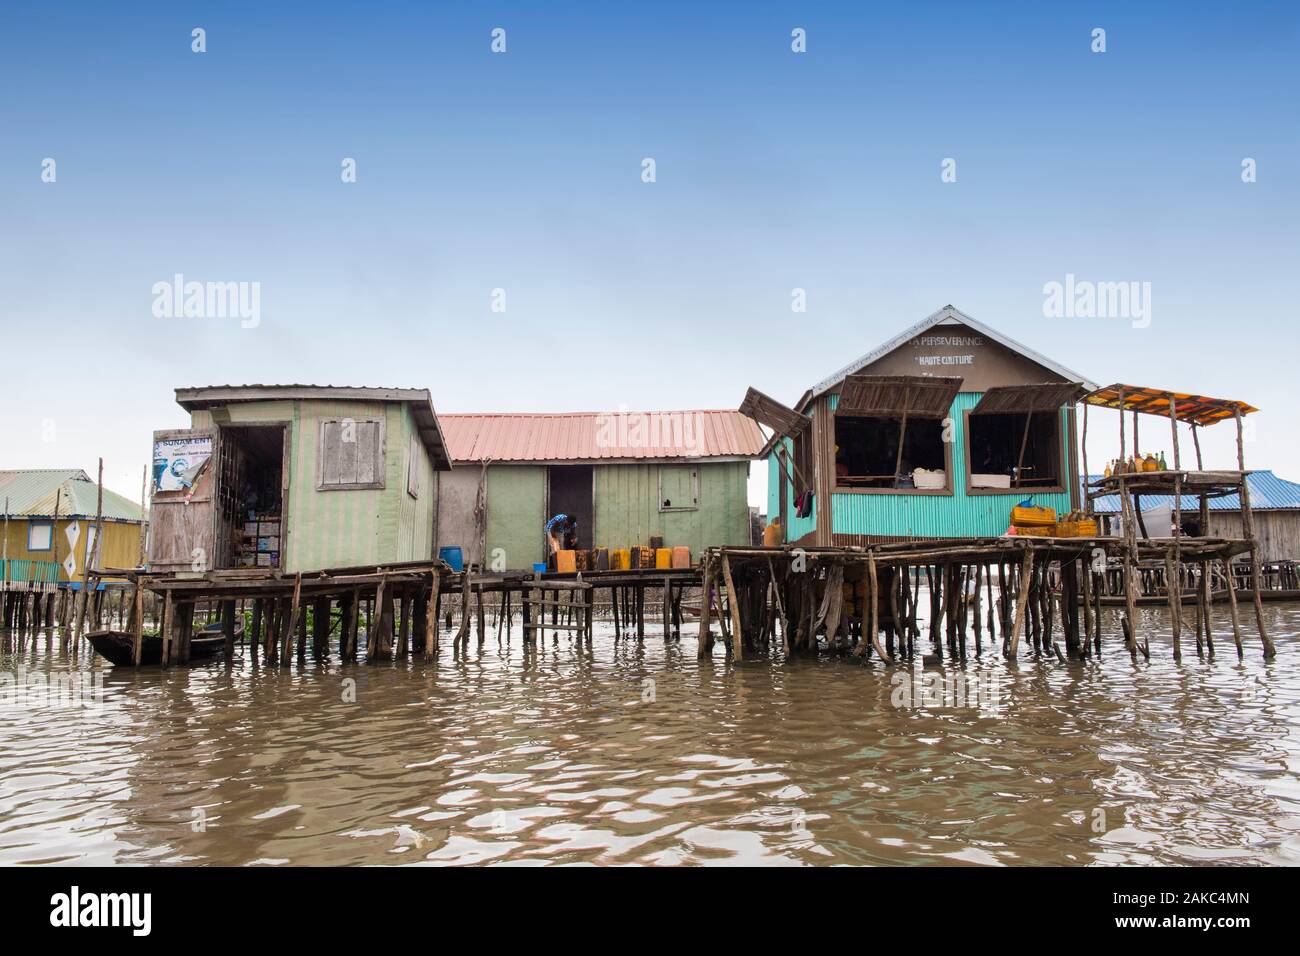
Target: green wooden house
(937, 433)
(626, 476)
(296, 478)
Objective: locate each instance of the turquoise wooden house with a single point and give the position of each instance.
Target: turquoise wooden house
(937, 433)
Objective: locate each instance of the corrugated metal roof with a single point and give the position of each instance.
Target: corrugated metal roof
(426, 418)
(32, 493)
(1267, 492)
(24, 487)
(602, 436)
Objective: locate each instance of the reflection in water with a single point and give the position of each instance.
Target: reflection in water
(636, 753)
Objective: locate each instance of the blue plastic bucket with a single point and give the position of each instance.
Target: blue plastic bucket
(454, 557)
(539, 567)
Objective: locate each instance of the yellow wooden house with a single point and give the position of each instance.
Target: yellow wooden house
(48, 529)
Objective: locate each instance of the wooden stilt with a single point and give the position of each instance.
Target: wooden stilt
(138, 626)
(1231, 587)
(228, 630)
(733, 602)
(1026, 573)
(431, 624)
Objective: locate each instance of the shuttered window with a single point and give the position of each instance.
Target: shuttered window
(351, 454)
(413, 468)
(679, 488)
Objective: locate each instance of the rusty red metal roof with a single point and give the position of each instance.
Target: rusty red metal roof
(601, 436)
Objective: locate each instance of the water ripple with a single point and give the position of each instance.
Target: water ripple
(622, 753)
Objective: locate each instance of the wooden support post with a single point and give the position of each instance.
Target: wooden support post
(354, 622)
(640, 612)
(667, 608)
(588, 611)
(184, 630)
(165, 627)
(431, 621)
(1175, 596)
(1206, 600)
(1036, 607)
(375, 622)
(1232, 605)
(228, 630)
(1022, 599)
(705, 636)
(254, 639)
(320, 628)
(1130, 606)
(737, 634)
(1248, 526)
(1085, 585)
(301, 630)
(613, 607)
(1070, 609)
(137, 626)
(934, 578)
(526, 601)
(873, 597)
(403, 625)
(295, 608)
(482, 625)
(461, 641)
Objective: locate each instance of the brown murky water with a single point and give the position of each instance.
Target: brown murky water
(624, 753)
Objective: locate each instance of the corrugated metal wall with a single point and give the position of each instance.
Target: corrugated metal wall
(798, 527)
(627, 507)
(923, 516)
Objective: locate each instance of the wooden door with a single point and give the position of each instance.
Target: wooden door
(182, 515)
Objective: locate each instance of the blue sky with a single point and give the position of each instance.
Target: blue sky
(522, 171)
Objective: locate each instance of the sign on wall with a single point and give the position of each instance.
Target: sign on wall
(178, 461)
(946, 351)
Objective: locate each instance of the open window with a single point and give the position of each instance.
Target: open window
(888, 452)
(890, 433)
(1014, 438)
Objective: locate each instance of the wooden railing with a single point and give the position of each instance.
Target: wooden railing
(24, 574)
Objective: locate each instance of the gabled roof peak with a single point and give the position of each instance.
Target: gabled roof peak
(948, 315)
